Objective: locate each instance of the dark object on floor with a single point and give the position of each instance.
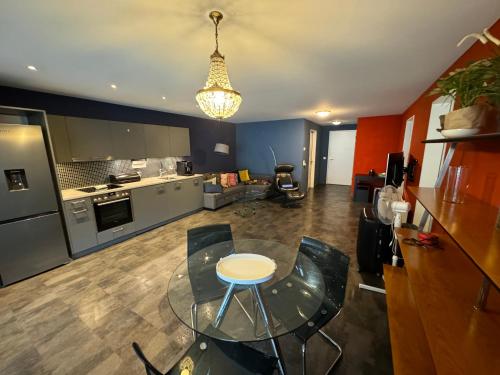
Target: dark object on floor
(366, 184)
(362, 192)
(207, 355)
(373, 247)
(198, 239)
(285, 185)
(334, 266)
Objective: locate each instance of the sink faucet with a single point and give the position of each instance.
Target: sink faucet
(162, 172)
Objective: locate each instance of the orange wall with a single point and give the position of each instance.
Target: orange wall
(375, 138)
(482, 158)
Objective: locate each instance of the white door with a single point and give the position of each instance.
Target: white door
(340, 157)
(433, 152)
(312, 157)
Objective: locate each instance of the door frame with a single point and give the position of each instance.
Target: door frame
(313, 144)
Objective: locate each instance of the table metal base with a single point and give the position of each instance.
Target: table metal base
(266, 317)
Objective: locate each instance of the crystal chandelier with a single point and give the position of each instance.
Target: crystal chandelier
(218, 99)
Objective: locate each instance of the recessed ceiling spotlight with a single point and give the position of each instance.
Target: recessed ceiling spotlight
(336, 122)
(164, 98)
(322, 113)
(32, 67)
(113, 86)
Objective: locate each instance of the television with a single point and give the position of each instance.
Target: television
(395, 169)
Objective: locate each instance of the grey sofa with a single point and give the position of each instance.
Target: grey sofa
(229, 195)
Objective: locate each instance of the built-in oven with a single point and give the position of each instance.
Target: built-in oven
(112, 210)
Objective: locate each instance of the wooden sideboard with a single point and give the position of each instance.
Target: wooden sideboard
(433, 320)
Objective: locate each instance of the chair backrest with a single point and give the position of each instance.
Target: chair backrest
(202, 275)
(201, 237)
(150, 369)
(283, 176)
(333, 264)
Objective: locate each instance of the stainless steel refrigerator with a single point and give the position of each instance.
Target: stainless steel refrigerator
(31, 232)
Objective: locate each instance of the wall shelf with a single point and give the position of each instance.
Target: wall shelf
(472, 225)
(478, 137)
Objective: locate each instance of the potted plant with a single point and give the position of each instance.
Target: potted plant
(476, 89)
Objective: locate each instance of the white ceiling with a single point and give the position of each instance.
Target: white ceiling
(288, 58)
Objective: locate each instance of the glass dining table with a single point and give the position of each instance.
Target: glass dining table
(246, 313)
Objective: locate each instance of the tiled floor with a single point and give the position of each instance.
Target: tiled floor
(81, 318)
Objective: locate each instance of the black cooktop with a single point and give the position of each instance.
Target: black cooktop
(92, 189)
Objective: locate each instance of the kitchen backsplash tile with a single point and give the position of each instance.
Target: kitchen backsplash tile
(76, 175)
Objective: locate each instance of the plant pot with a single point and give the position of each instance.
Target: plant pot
(467, 118)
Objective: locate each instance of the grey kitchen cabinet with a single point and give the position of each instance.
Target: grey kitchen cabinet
(193, 188)
(114, 233)
(150, 205)
(179, 142)
(90, 139)
(127, 140)
(59, 138)
(184, 196)
(80, 222)
(157, 141)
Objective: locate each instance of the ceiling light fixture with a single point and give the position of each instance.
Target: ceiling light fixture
(218, 99)
(323, 113)
(164, 98)
(113, 86)
(336, 122)
(32, 67)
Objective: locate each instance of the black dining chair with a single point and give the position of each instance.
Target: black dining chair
(203, 278)
(210, 356)
(333, 266)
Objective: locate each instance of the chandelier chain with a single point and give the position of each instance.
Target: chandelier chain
(216, 23)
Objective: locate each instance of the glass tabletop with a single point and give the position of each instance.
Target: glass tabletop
(196, 294)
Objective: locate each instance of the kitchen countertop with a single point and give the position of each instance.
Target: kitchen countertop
(70, 194)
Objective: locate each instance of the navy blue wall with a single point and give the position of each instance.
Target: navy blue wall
(323, 148)
(285, 136)
(204, 133)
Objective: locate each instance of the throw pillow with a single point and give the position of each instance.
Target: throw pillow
(212, 181)
(244, 176)
(224, 180)
(232, 179)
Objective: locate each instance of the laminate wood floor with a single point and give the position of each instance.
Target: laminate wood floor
(81, 318)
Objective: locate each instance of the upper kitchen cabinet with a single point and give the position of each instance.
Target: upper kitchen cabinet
(89, 139)
(127, 140)
(59, 138)
(179, 142)
(157, 141)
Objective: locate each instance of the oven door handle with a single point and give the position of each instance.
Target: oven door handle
(114, 201)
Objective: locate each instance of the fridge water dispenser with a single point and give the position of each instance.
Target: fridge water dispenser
(16, 179)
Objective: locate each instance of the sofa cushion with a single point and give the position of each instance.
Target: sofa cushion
(232, 179)
(212, 188)
(244, 176)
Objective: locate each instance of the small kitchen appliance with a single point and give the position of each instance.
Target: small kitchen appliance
(184, 168)
(124, 178)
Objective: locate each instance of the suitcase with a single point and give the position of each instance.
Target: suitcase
(373, 244)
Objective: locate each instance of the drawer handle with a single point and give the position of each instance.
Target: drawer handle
(118, 230)
(80, 211)
(196, 182)
(78, 202)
